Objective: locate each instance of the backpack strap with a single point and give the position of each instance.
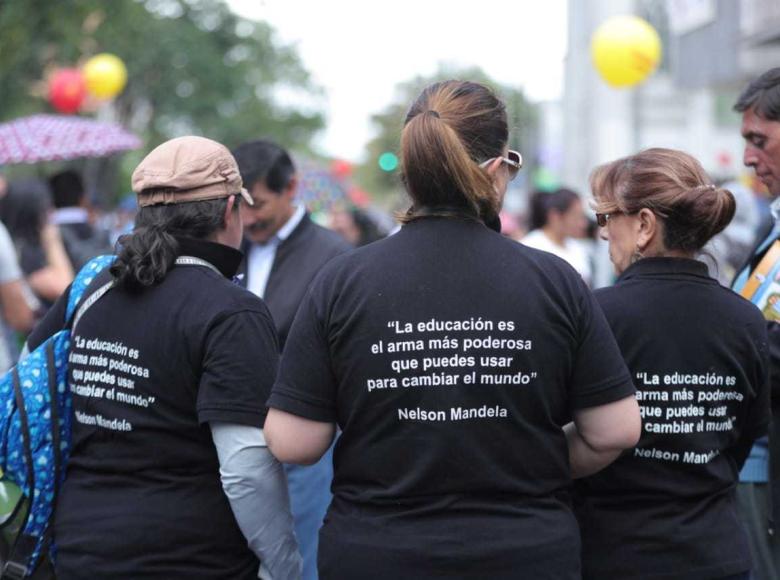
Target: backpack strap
(83, 280)
(15, 567)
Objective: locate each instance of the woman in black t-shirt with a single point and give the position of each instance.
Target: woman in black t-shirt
(453, 360)
(169, 476)
(698, 354)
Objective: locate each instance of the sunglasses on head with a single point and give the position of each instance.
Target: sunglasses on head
(513, 161)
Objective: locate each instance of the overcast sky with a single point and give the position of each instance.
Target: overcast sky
(358, 51)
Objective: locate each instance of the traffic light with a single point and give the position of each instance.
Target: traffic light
(388, 161)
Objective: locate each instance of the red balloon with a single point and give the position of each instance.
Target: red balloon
(67, 90)
(341, 168)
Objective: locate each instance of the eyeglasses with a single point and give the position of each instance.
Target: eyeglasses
(513, 160)
(602, 219)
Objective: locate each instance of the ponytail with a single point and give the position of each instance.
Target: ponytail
(147, 255)
(451, 128)
(145, 258)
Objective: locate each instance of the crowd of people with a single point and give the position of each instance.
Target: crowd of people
(257, 395)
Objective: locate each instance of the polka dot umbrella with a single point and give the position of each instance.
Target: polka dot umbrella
(319, 188)
(57, 138)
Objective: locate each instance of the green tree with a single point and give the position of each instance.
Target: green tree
(194, 67)
(522, 117)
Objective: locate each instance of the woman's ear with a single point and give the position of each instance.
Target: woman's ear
(494, 166)
(648, 227)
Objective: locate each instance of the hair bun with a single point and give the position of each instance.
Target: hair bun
(713, 208)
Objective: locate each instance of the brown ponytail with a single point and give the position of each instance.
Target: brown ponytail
(674, 186)
(451, 128)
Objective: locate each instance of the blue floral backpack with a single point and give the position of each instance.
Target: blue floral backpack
(35, 427)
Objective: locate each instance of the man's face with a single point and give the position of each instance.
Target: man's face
(270, 212)
(762, 149)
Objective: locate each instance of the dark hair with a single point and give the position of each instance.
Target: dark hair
(674, 186)
(265, 162)
(543, 202)
(67, 189)
(23, 210)
(150, 250)
(450, 129)
(368, 228)
(763, 96)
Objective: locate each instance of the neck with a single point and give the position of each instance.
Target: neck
(664, 253)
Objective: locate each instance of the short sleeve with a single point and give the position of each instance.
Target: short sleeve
(599, 375)
(239, 367)
(9, 265)
(52, 322)
(306, 385)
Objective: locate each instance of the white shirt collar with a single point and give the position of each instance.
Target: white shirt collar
(292, 223)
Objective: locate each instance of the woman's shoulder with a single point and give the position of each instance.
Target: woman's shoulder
(740, 306)
(208, 295)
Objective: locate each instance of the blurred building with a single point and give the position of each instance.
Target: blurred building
(711, 48)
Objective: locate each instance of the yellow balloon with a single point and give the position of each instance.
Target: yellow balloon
(625, 50)
(105, 75)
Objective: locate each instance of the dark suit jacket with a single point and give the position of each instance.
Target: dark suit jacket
(773, 331)
(297, 261)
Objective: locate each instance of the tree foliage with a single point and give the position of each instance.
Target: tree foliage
(193, 67)
(521, 115)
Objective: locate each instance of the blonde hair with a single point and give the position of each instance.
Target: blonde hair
(674, 186)
(451, 128)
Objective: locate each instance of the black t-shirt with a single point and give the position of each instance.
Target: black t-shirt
(148, 371)
(698, 355)
(450, 357)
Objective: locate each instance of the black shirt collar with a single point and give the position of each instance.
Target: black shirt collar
(665, 266)
(449, 211)
(224, 258)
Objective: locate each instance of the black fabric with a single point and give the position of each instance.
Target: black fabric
(83, 242)
(143, 497)
(297, 261)
(31, 258)
(698, 354)
(754, 257)
(449, 480)
(772, 518)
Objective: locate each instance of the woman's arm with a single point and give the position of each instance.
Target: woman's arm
(51, 281)
(599, 434)
(16, 310)
(255, 484)
(293, 439)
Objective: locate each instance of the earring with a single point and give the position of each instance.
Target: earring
(636, 256)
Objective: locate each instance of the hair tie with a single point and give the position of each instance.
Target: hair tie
(703, 188)
(434, 113)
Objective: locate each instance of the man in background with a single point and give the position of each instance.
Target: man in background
(82, 240)
(283, 251)
(758, 492)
